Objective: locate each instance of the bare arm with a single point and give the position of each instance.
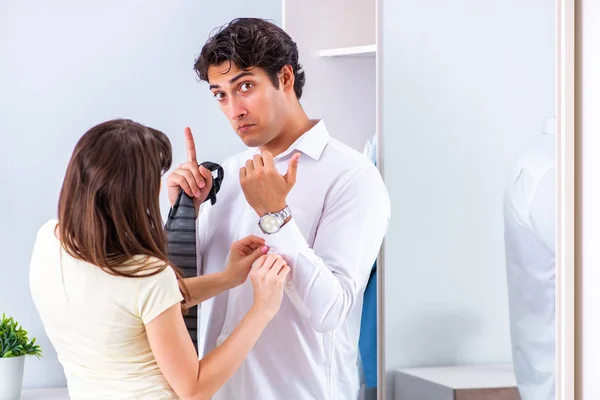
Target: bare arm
(175, 354)
(242, 255)
(206, 287)
(177, 359)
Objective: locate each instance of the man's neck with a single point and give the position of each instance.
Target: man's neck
(297, 125)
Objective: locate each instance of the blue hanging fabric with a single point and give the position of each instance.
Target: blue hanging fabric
(367, 342)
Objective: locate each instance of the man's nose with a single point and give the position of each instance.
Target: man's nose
(237, 109)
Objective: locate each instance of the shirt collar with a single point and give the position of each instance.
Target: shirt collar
(312, 142)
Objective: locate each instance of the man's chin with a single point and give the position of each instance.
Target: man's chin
(252, 141)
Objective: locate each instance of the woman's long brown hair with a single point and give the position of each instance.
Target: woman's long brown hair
(109, 212)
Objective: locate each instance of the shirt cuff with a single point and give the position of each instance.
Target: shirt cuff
(288, 241)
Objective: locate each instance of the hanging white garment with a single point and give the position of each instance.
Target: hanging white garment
(370, 149)
(529, 221)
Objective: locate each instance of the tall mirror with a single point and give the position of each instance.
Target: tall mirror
(468, 128)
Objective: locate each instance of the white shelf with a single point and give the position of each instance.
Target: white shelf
(357, 51)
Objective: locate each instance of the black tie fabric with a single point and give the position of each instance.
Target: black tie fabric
(181, 238)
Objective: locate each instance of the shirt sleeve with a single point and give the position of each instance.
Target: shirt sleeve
(542, 211)
(326, 280)
(157, 293)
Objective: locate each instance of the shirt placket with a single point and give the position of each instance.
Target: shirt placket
(241, 297)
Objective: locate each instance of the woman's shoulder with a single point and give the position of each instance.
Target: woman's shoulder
(45, 234)
(47, 228)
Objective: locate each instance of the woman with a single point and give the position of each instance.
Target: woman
(109, 300)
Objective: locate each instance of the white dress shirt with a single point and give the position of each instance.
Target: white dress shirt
(530, 257)
(340, 213)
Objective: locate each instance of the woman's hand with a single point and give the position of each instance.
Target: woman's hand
(268, 277)
(242, 255)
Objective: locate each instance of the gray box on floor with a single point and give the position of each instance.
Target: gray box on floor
(495, 382)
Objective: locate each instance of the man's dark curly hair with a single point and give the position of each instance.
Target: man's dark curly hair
(248, 43)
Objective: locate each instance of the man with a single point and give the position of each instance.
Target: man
(315, 201)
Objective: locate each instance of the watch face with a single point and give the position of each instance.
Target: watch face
(269, 223)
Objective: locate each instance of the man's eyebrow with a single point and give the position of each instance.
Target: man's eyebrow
(232, 80)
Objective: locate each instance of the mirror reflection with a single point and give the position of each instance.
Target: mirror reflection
(468, 133)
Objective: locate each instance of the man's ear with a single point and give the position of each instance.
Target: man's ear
(286, 78)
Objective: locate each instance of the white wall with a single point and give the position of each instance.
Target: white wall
(67, 65)
(466, 87)
(587, 92)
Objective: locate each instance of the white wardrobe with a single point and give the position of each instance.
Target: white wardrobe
(336, 43)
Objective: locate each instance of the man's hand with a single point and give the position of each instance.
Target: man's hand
(265, 189)
(196, 181)
(242, 255)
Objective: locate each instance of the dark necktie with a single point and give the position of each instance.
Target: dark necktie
(181, 239)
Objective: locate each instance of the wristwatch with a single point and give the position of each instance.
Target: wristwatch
(272, 222)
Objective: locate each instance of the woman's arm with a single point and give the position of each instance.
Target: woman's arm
(176, 356)
(205, 287)
(242, 255)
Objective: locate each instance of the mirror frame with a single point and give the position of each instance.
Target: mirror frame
(565, 202)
